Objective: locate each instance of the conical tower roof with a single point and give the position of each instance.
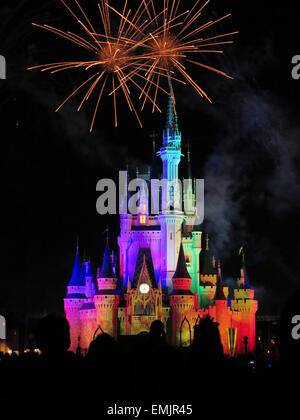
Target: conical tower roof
(107, 270)
(76, 278)
(181, 270)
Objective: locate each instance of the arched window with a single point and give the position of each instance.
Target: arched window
(185, 333)
(150, 309)
(138, 308)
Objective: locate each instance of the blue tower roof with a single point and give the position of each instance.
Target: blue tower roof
(107, 270)
(76, 277)
(85, 271)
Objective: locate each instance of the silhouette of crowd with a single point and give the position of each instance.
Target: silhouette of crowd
(147, 369)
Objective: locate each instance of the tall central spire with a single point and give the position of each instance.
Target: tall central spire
(170, 152)
(172, 135)
(171, 129)
(171, 216)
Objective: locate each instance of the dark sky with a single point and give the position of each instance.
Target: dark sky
(245, 146)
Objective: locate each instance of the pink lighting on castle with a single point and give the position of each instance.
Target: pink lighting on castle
(165, 272)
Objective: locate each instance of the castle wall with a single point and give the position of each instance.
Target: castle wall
(106, 310)
(72, 311)
(88, 328)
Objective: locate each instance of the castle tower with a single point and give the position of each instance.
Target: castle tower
(244, 302)
(87, 310)
(243, 282)
(182, 302)
(191, 236)
(107, 297)
(73, 302)
(208, 276)
(171, 217)
(125, 232)
(223, 314)
(189, 196)
(87, 279)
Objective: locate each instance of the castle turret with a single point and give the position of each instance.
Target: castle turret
(182, 302)
(208, 273)
(219, 294)
(208, 276)
(223, 313)
(243, 282)
(171, 217)
(244, 302)
(125, 231)
(107, 297)
(189, 196)
(73, 302)
(87, 279)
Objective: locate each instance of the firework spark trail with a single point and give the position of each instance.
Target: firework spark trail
(171, 43)
(115, 55)
(145, 49)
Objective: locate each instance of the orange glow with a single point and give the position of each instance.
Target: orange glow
(153, 45)
(113, 54)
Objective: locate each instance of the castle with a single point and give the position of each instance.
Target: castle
(163, 273)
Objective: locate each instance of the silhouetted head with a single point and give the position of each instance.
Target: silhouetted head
(207, 338)
(103, 350)
(52, 335)
(157, 332)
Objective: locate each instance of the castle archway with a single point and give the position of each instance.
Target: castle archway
(185, 333)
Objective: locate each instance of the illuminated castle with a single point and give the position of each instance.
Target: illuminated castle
(163, 274)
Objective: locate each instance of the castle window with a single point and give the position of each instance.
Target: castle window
(142, 219)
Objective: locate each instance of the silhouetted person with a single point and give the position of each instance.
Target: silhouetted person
(52, 336)
(157, 333)
(206, 352)
(104, 364)
(207, 340)
(57, 372)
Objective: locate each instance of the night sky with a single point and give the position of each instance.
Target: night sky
(245, 146)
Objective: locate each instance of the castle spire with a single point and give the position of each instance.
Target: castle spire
(171, 216)
(206, 261)
(243, 281)
(172, 120)
(181, 279)
(75, 279)
(172, 135)
(107, 270)
(154, 169)
(87, 279)
(219, 295)
(181, 270)
(188, 164)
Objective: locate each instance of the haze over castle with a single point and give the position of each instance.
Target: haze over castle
(165, 272)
